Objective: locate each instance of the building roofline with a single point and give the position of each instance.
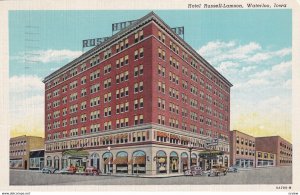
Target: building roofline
(241, 133)
(131, 27)
(26, 136)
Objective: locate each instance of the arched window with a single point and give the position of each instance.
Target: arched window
(138, 162)
(121, 162)
(161, 161)
(56, 162)
(49, 161)
(184, 161)
(95, 162)
(173, 162)
(108, 162)
(194, 159)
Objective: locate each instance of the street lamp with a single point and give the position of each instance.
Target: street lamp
(190, 147)
(108, 148)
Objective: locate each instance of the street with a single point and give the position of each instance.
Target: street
(271, 175)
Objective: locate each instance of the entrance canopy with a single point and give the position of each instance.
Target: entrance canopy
(76, 153)
(210, 154)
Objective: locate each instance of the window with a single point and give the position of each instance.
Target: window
(136, 54)
(141, 102)
(141, 52)
(107, 83)
(161, 71)
(107, 111)
(107, 69)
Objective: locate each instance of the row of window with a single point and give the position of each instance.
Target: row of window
(250, 153)
(173, 47)
(17, 152)
(18, 143)
(96, 141)
(120, 123)
(246, 142)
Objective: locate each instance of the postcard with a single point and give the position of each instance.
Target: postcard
(182, 96)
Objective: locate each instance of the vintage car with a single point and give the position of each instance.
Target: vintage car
(195, 170)
(233, 169)
(217, 170)
(68, 170)
(92, 171)
(49, 170)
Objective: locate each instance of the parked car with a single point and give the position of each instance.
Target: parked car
(217, 170)
(195, 170)
(233, 169)
(49, 170)
(92, 171)
(80, 170)
(68, 170)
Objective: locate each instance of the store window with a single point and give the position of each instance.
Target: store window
(161, 161)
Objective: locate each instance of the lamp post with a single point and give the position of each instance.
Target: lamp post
(190, 147)
(108, 148)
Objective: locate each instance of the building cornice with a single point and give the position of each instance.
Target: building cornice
(136, 128)
(124, 32)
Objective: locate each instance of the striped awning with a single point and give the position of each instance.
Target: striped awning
(161, 134)
(75, 153)
(121, 160)
(138, 160)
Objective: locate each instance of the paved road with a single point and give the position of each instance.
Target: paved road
(274, 175)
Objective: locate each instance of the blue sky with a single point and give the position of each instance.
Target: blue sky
(252, 48)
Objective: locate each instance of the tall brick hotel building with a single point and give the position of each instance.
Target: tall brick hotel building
(137, 103)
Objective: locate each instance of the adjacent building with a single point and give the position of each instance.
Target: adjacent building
(20, 148)
(36, 159)
(276, 145)
(136, 103)
(265, 159)
(242, 149)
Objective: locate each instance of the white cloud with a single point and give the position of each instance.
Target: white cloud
(227, 66)
(287, 84)
(20, 84)
(46, 56)
(248, 68)
(283, 52)
(211, 48)
(217, 51)
(26, 96)
(276, 71)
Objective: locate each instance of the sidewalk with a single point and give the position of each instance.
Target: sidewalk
(145, 176)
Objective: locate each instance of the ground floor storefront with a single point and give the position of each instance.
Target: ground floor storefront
(140, 159)
(19, 163)
(245, 163)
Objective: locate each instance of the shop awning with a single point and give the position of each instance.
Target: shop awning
(121, 160)
(75, 153)
(138, 160)
(36, 154)
(206, 154)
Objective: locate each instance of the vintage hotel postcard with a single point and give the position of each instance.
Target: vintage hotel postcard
(149, 96)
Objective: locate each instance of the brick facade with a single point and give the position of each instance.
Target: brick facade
(144, 87)
(242, 149)
(19, 150)
(276, 145)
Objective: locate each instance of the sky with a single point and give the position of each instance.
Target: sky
(251, 48)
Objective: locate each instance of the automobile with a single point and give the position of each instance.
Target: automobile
(92, 171)
(49, 170)
(233, 169)
(195, 170)
(80, 170)
(68, 170)
(217, 170)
